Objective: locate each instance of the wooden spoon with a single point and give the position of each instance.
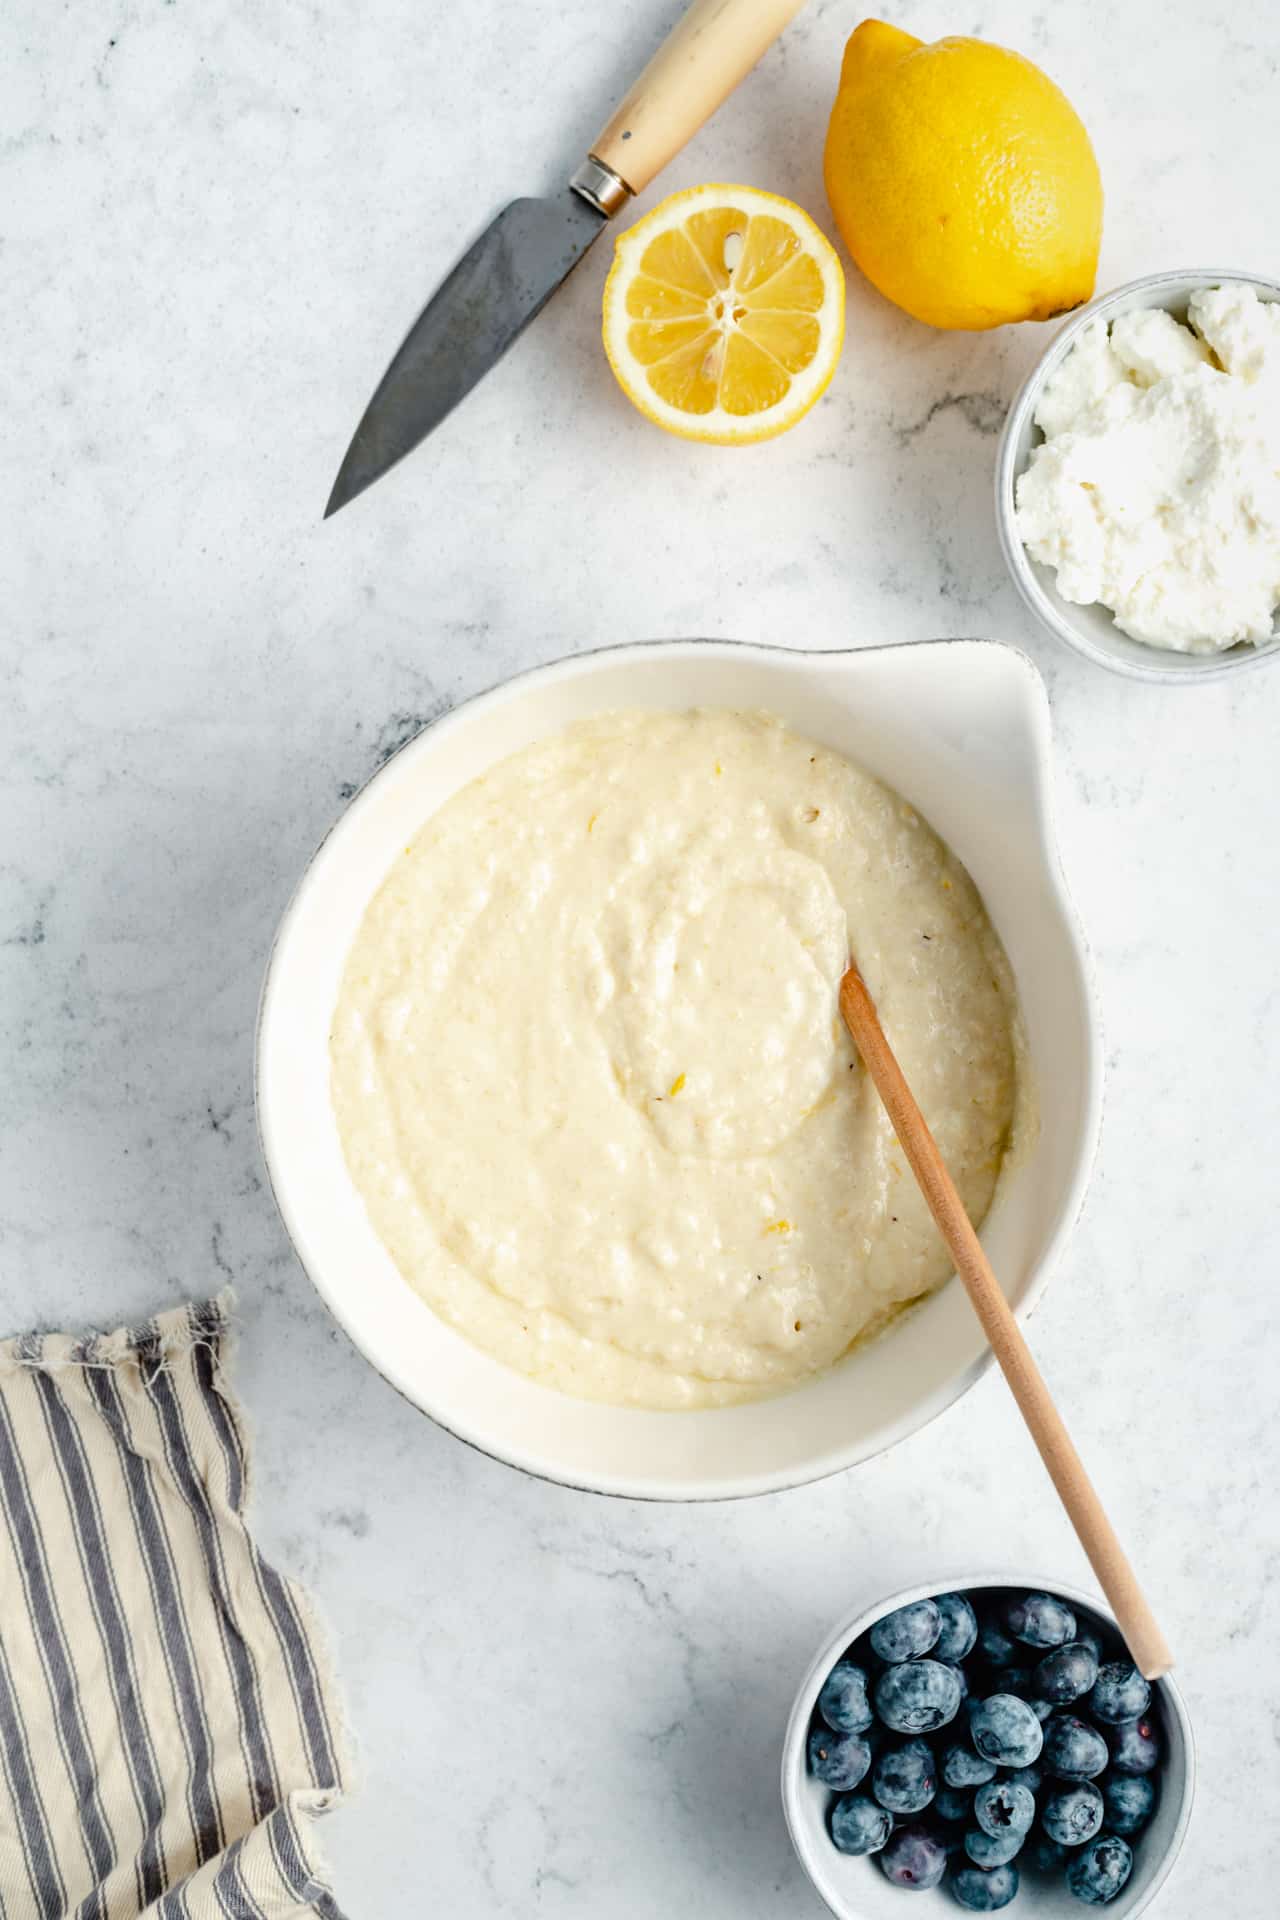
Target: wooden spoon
(1146, 1643)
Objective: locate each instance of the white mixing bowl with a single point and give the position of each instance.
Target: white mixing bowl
(961, 728)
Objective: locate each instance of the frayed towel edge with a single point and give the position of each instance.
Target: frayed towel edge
(170, 1334)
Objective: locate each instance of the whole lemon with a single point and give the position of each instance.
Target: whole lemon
(962, 181)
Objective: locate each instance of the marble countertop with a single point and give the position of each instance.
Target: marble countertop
(216, 223)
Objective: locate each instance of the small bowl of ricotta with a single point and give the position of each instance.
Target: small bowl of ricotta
(1138, 483)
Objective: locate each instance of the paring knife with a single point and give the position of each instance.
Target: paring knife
(516, 265)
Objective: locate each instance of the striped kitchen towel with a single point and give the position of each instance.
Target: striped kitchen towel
(167, 1720)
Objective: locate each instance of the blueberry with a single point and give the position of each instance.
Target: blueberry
(962, 1767)
(914, 1858)
(843, 1702)
(1087, 1637)
(1029, 1777)
(1016, 1680)
(858, 1825)
(992, 1849)
(984, 1892)
(1067, 1674)
(1097, 1873)
(918, 1697)
(905, 1778)
(959, 1627)
(839, 1760)
(908, 1632)
(1135, 1747)
(1119, 1693)
(1004, 1807)
(1005, 1730)
(1041, 1709)
(952, 1803)
(1041, 1621)
(1044, 1854)
(996, 1648)
(1073, 1750)
(1129, 1800)
(1073, 1814)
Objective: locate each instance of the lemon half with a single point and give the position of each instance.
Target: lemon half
(724, 314)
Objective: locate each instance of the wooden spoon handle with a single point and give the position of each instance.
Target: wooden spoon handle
(1066, 1469)
(698, 65)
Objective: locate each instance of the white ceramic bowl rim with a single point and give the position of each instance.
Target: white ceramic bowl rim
(988, 666)
(1090, 630)
(793, 1764)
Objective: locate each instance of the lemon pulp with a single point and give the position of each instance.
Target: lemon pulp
(724, 313)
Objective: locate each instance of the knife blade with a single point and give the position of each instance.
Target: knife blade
(512, 270)
(491, 296)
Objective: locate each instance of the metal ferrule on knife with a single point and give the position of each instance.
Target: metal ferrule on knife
(606, 190)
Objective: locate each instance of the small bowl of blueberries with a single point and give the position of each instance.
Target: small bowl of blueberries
(986, 1744)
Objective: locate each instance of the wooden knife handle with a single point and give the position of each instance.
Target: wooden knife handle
(699, 64)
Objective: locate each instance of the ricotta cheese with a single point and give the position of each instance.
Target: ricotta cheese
(1156, 490)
